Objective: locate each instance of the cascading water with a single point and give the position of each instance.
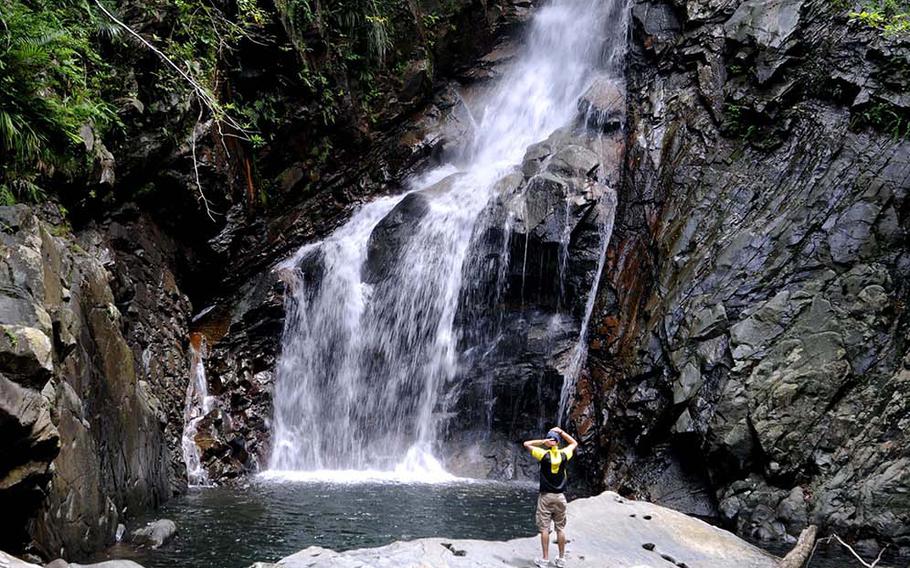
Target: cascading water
(198, 405)
(371, 338)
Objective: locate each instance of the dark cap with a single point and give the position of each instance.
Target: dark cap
(554, 435)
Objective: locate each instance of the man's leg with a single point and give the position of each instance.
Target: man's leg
(559, 519)
(561, 541)
(543, 518)
(545, 544)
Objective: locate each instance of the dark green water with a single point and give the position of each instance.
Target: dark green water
(234, 527)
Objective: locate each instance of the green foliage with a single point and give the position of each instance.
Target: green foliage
(884, 117)
(68, 70)
(358, 44)
(201, 35)
(11, 337)
(891, 17)
(50, 77)
(55, 84)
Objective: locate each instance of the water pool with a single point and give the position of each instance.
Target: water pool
(232, 527)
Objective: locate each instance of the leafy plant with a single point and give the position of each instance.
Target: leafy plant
(891, 17)
(884, 117)
(50, 76)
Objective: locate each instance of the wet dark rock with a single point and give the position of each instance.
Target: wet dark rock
(387, 242)
(416, 80)
(603, 105)
(244, 326)
(521, 307)
(240, 365)
(96, 322)
(750, 316)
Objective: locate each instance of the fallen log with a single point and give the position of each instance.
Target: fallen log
(797, 557)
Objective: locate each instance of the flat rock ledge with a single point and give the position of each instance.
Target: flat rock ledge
(7, 561)
(604, 531)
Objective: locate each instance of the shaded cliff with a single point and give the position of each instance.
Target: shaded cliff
(94, 363)
(99, 294)
(749, 355)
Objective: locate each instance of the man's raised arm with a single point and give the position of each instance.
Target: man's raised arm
(573, 443)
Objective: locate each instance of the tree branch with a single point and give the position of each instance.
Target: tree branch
(857, 556)
(205, 201)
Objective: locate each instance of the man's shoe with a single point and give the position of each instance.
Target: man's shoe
(541, 563)
(560, 562)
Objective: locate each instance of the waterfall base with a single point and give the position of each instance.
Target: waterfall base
(417, 466)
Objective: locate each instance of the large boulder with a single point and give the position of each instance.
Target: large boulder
(154, 534)
(29, 442)
(8, 561)
(26, 354)
(606, 530)
(532, 263)
(59, 563)
(603, 105)
(389, 239)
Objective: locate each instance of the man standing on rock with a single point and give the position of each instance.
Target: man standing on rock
(551, 503)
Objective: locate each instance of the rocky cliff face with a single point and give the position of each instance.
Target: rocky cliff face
(94, 361)
(750, 352)
(97, 319)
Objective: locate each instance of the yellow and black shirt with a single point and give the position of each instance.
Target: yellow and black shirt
(553, 478)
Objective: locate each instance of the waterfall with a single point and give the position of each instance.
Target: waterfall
(198, 405)
(371, 338)
(614, 65)
(580, 350)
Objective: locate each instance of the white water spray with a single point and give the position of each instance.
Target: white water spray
(198, 405)
(369, 345)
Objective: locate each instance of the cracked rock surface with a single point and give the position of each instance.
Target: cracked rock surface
(94, 372)
(749, 353)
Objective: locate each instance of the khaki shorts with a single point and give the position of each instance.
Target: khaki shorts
(551, 507)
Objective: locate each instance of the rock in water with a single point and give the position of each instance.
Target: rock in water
(7, 561)
(155, 533)
(606, 530)
(106, 564)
